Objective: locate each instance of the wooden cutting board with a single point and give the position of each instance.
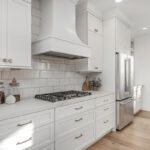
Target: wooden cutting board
(86, 85)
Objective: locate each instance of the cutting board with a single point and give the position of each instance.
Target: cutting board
(86, 85)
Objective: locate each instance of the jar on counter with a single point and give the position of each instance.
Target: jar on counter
(2, 94)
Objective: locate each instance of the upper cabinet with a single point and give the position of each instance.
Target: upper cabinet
(123, 36)
(90, 31)
(3, 31)
(15, 41)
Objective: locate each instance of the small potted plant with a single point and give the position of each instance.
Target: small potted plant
(95, 84)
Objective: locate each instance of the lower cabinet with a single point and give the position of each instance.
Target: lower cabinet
(76, 130)
(103, 125)
(72, 127)
(30, 132)
(78, 139)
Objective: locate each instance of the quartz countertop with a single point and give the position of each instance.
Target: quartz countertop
(32, 105)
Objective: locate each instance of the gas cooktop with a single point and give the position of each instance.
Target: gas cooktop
(61, 96)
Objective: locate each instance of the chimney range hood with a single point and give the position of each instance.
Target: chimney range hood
(58, 35)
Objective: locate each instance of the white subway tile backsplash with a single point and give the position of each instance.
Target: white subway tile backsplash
(59, 88)
(49, 74)
(44, 90)
(30, 92)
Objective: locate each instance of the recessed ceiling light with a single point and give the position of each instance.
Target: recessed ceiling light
(118, 1)
(145, 28)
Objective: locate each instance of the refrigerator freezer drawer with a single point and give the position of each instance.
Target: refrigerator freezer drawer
(124, 113)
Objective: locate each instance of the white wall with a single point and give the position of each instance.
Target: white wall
(142, 67)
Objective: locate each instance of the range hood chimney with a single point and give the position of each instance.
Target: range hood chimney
(58, 36)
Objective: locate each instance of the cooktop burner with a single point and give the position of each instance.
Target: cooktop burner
(61, 96)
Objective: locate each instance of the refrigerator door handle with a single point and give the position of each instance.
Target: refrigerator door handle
(124, 103)
(127, 75)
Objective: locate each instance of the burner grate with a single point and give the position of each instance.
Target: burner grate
(61, 96)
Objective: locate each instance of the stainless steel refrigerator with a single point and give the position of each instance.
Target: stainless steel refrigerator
(124, 89)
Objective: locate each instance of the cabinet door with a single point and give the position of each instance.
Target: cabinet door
(94, 24)
(19, 33)
(95, 42)
(3, 31)
(123, 37)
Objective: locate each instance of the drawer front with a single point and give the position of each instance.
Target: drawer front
(94, 24)
(104, 110)
(49, 147)
(73, 123)
(104, 100)
(29, 139)
(27, 122)
(43, 146)
(77, 140)
(104, 125)
(69, 110)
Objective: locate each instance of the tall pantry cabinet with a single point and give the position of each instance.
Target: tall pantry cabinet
(15, 33)
(117, 38)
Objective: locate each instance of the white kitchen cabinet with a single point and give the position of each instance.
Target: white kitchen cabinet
(94, 24)
(16, 37)
(78, 139)
(90, 31)
(77, 126)
(33, 131)
(123, 37)
(117, 38)
(104, 125)
(63, 112)
(96, 43)
(3, 31)
(73, 123)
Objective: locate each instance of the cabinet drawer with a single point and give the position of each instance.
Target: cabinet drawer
(73, 123)
(49, 147)
(29, 139)
(69, 110)
(103, 125)
(94, 24)
(104, 100)
(77, 140)
(26, 122)
(104, 110)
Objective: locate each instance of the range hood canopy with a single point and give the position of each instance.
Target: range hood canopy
(58, 36)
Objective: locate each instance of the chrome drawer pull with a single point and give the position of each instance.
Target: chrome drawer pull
(106, 121)
(79, 136)
(79, 108)
(106, 109)
(79, 120)
(19, 143)
(20, 125)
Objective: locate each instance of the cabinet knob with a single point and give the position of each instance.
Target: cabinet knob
(5, 60)
(10, 60)
(96, 68)
(96, 30)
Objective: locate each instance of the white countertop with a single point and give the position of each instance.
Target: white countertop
(32, 105)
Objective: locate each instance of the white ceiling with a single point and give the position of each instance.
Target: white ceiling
(137, 10)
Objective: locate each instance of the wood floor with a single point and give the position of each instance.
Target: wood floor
(135, 137)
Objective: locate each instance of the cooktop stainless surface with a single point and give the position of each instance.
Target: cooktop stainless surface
(61, 96)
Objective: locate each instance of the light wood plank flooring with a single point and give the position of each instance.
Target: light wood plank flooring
(135, 137)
